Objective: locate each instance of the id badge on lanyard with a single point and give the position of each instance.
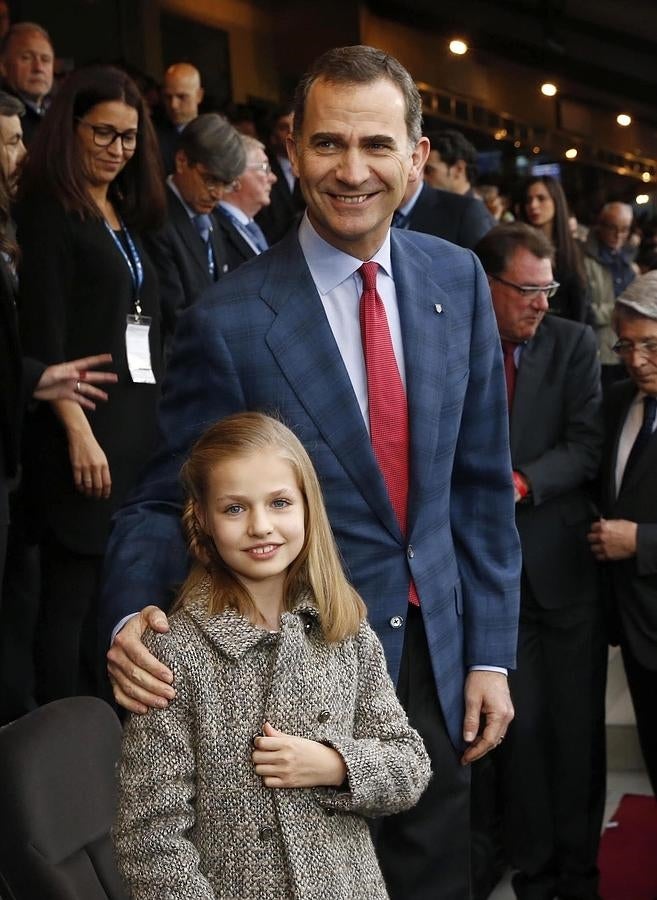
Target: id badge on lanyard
(138, 326)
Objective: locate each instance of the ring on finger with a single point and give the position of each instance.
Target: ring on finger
(77, 387)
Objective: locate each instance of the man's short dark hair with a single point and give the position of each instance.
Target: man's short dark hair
(212, 141)
(453, 146)
(360, 64)
(23, 28)
(10, 105)
(496, 249)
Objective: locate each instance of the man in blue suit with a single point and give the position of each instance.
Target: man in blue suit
(282, 335)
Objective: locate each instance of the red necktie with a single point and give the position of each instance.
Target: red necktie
(510, 372)
(388, 409)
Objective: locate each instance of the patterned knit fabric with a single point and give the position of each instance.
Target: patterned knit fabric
(195, 822)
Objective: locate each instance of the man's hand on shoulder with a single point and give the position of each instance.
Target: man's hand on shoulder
(139, 680)
(486, 694)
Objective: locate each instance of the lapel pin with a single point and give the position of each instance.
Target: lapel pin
(438, 307)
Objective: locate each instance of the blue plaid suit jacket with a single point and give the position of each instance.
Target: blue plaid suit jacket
(259, 340)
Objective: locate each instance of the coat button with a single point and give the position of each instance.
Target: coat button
(266, 833)
(396, 622)
(323, 716)
(330, 812)
(410, 552)
(307, 627)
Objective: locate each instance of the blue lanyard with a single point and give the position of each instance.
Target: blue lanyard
(133, 261)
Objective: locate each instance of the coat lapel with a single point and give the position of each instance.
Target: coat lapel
(188, 233)
(302, 342)
(424, 332)
(645, 464)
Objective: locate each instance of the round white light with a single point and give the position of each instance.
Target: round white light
(549, 89)
(458, 47)
(623, 119)
(645, 176)
(571, 153)
(642, 198)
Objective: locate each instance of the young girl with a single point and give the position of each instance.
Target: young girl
(286, 730)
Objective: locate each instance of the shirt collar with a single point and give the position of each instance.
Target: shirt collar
(407, 208)
(190, 212)
(235, 212)
(329, 266)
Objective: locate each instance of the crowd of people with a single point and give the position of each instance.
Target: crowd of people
(482, 473)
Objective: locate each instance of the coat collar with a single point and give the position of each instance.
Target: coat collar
(233, 634)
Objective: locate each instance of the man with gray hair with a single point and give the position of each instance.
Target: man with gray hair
(187, 251)
(243, 237)
(609, 271)
(625, 538)
(27, 66)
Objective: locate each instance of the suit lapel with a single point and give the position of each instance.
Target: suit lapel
(188, 233)
(424, 332)
(302, 342)
(644, 465)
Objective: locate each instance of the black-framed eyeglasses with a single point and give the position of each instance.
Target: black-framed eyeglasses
(262, 167)
(530, 291)
(105, 135)
(625, 349)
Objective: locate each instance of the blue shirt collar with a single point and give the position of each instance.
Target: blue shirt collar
(329, 266)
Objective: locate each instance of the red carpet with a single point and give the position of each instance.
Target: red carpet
(628, 851)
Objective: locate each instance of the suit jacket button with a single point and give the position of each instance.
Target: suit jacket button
(323, 716)
(396, 621)
(410, 552)
(307, 627)
(266, 833)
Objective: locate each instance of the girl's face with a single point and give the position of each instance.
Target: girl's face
(539, 205)
(106, 137)
(255, 514)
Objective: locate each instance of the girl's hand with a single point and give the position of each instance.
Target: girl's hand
(285, 761)
(91, 474)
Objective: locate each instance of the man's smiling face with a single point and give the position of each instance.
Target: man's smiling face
(354, 160)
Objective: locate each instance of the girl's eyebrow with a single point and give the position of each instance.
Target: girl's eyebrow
(284, 489)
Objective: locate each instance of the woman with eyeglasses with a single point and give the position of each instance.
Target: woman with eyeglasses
(91, 185)
(543, 205)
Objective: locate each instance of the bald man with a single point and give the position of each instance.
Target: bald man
(181, 95)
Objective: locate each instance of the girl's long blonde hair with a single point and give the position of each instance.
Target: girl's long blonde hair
(317, 568)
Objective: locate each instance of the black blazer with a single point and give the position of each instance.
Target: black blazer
(181, 260)
(556, 442)
(237, 250)
(633, 582)
(75, 292)
(453, 217)
(285, 208)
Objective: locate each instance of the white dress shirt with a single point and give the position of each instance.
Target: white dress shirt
(631, 427)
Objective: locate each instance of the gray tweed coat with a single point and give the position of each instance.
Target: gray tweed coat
(195, 822)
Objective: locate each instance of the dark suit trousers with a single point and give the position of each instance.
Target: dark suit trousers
(425, 853)
(642, 683)
(553, 759)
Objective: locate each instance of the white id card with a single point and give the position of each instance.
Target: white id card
(138, 349)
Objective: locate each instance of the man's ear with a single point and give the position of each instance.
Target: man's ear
(293, 156)
(419, 158)
(181, 162)
(200, 94)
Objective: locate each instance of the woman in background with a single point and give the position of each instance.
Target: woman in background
(91, 185)
(544, 206)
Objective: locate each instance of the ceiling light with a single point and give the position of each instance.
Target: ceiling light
(571, 153)
(642, 198)
(549, 89)
(458, 47)
(645, 176)
(536, 149)
(623, 119)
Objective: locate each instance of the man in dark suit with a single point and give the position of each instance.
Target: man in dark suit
(626, 538)
(27, 65)
(181, 96)
(459, 219)
(287, 202)
(552, 763)
(242, 236)
(426, 520)
(188, 251)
